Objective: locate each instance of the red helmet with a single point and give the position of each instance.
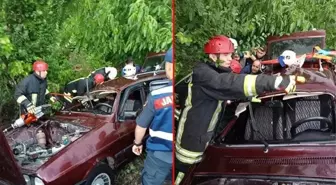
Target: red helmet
(235, 66)
(40, 65)
(219, 45)
(99, 78)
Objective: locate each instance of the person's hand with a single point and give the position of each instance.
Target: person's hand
(288, 83)
(137, 150)
(31, 108)
(53, 99)
(247, 54)
(85, 103)
(323, 52)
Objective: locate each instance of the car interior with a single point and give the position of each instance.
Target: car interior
(300, 119)
(135, 100)
(102, 104)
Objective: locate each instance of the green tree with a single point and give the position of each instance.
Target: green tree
(250, 22)
(77, 36)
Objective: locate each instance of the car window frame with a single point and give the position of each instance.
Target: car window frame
(274, 143)
(124, 94)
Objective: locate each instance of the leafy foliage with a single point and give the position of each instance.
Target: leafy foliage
(248, 21)
(77, 36)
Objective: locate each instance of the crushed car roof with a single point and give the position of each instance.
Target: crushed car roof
(119, 83)
(316, 82)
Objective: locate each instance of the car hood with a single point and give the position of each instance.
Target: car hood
(81, 118)
(10, 172)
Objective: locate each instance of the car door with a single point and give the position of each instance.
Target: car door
(131, 103)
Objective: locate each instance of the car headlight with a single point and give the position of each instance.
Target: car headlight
(38, 181)
(27, 179)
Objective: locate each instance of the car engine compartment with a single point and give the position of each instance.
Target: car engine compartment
(33, 145)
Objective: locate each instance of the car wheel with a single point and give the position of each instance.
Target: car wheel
(101, 175)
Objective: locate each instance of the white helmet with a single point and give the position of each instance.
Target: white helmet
(129, 70)
(288, 57)
(234, 42)
(112, 72)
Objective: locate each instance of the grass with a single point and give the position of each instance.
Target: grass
(130, 174)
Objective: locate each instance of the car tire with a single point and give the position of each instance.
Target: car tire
(102, 174)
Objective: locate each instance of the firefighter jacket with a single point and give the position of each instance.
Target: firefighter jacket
(32, 89)
(78, 87)
(209, 87)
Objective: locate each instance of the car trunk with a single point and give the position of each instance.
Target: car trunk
(305, 161)
(255, 180)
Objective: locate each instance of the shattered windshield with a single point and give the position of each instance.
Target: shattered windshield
(299, 46)
(99, 103)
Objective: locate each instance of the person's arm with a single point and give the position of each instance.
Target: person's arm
(49, 96)
(143, 121)
(139, 134)
(224, 86)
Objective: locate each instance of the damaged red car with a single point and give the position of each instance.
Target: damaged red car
(78, 145)
(283, 139)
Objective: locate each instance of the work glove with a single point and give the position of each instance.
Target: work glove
(323, 52)
(53, 99)
(31, 108)
(288, 83)
(85, 103)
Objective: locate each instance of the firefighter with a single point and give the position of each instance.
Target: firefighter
(157, 114)
(109, 73)
(32, 90)
(211, 84)
(130, 62)
(81, 86)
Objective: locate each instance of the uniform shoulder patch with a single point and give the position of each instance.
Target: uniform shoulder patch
(163, 102)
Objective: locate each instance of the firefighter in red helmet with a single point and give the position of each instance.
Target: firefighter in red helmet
(212, 83)
(81, 86)
(32, 91)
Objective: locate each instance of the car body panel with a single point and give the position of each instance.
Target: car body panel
(108, 138)
(9, 170)
(289, 161)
